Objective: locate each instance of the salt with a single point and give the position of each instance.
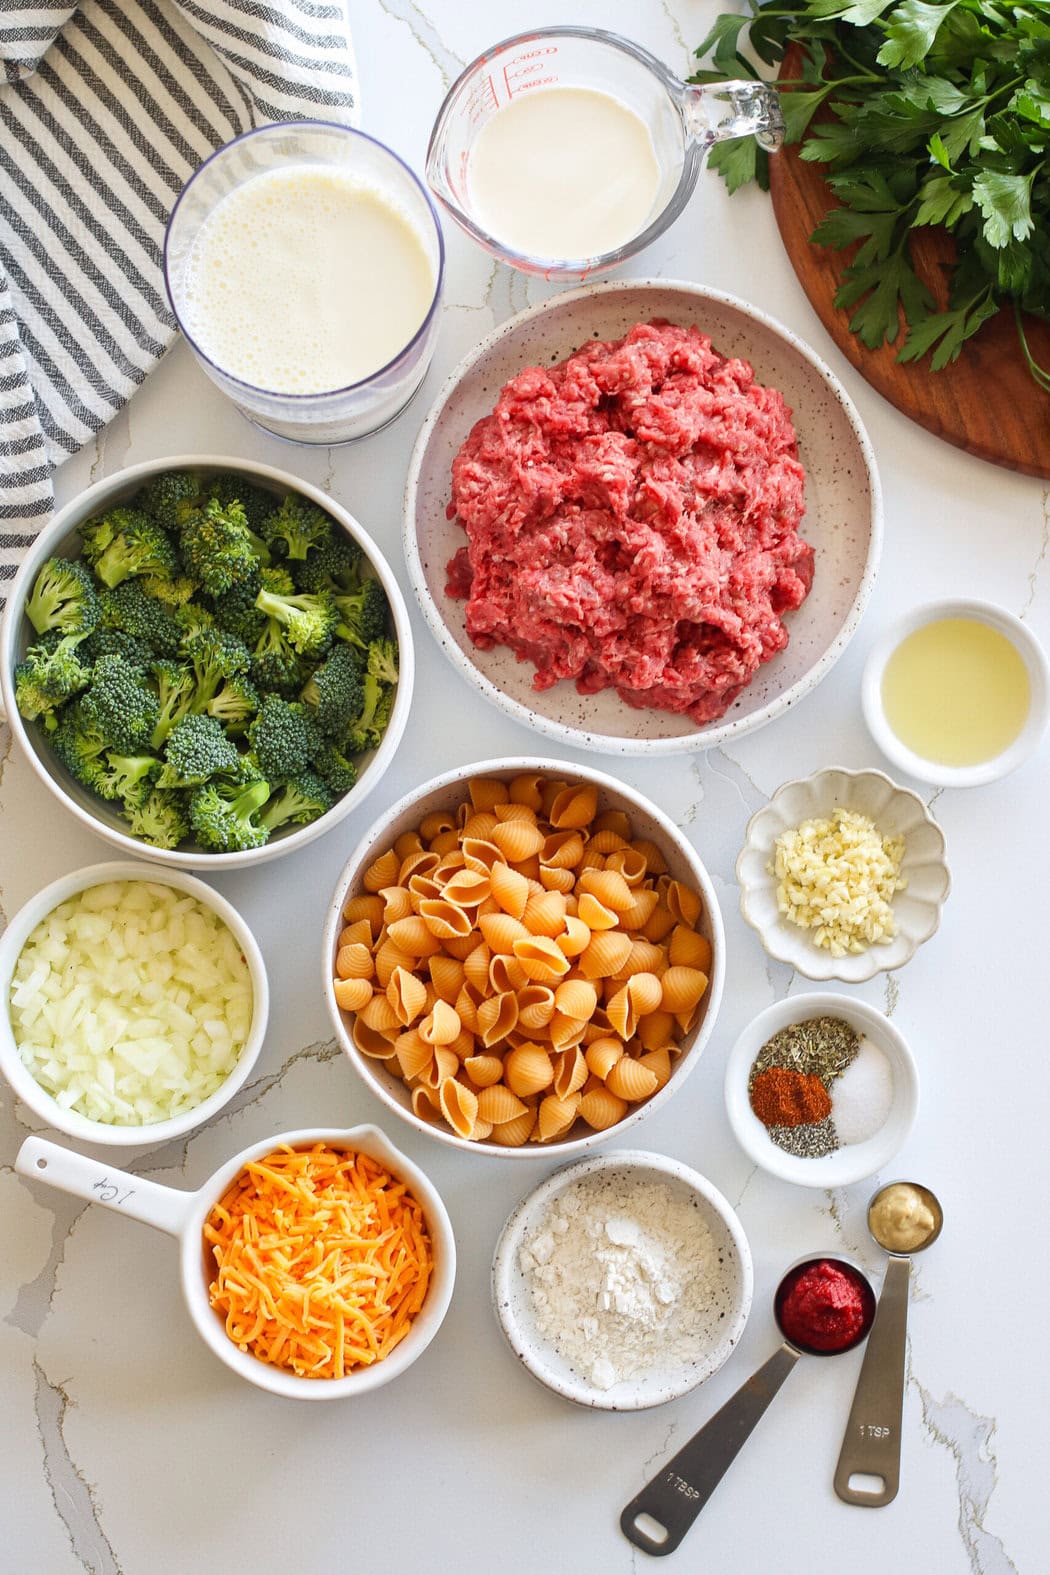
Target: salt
(861, 1099)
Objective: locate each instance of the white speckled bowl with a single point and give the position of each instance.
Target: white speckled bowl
(446, 790)
(897, 812)
(512, 1300)
(843, 519)
(60, 538)
(854, 1161)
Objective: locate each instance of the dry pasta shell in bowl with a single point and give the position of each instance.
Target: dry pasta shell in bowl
(806, 885)
(523, 954)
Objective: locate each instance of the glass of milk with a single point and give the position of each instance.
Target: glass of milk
(566, 150)
(304, 264)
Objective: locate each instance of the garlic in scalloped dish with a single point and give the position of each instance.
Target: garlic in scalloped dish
(837, 877)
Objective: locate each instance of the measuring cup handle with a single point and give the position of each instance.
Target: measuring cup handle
(872, 1443)
(97, 1182)
(721, 110)
(679, 1492)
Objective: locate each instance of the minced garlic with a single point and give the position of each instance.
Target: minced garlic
(837, 877)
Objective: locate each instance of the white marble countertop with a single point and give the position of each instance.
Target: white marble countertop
(127, 1449)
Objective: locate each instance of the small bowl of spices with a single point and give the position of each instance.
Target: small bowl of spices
(821, 1090)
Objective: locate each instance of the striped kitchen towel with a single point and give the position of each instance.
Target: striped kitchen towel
(106, 107)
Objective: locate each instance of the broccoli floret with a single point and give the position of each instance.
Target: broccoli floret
(370, 726)
(191, 617)
(277, 580)
(382, 660)
(276, 668)
(299, 801)
(296, 527)
(281, 738)
(223, 815)
(160, 820)
(217, 547)
(334, 691)
(333, 565)
(45, 679)
(173, 593)
(215, 656)
(309, 621)
(176, 688)
(129, 609)
(362, 616)
(80, 745)
(235, 703)
(114, 642)
(63, 597)
(256, 502)
(337, 772)
(196, 750)
(170, 498)
(125, 543)
(121, 705)
(127, 777)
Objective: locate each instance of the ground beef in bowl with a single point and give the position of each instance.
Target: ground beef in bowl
(632, 518)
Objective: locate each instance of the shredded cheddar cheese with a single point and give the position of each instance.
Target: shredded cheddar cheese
(323, 1260)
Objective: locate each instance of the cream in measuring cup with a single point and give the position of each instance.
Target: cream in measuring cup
(566, 150)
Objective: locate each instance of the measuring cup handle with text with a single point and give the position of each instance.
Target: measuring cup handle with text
(96, 1181)
(872, 1444)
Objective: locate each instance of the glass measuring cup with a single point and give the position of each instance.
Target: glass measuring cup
(683, 120)
(362, 406)
(657, 1518)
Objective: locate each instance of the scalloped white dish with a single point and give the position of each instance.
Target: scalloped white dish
(843, 519)
(897, 812)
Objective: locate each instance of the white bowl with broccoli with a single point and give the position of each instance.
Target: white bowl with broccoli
(207, 661)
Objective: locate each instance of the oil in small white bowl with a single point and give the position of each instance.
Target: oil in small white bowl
(956, 692)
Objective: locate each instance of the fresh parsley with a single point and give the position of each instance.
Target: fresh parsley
(921, 114)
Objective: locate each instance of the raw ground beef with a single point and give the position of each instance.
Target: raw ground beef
(632, 518)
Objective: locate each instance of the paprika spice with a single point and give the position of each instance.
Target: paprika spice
(781, 1097)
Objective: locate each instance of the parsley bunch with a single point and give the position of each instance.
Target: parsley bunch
(940, 115)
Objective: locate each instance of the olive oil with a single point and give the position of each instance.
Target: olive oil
(956, 692)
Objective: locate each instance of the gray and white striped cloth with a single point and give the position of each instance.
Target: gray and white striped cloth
(106, 107)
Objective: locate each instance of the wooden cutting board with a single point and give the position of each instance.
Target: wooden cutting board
(986, 402)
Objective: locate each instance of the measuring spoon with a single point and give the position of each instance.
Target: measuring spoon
(182, 1215)
(659, 1516)
(872, 1444)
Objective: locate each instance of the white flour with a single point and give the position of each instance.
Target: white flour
(624, 1276)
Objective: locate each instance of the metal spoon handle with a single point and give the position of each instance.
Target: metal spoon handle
(676, 1496)
(872, 1444)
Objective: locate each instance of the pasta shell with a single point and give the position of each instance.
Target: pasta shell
(616, 820)
(441, 1025)
(600, 1108)
(622, 1013)
(507, 973)
(555, 1116)
(646, 993)
(689, 949)
(575, 938)
(497, 1017)
(480, 854)
(565, 1031)
(643, 957)
(414, 1055)
(482, 1130)
(594, 913)
(682, 989)
(512, 1134)
(630, 863)
(552, 879)
(528, 790)
(414, 936)
(517, 840)
(630, 1080)
(570, 1072)
(592, 860)
(545, 914)
(511, 811)
(497, 1104)
(434, 824)
(574, 807)
(379, 1014)
(535, 1006)
(443, 919)
(425, 1105)
(461, 946)
(562, 849)
(371, 1042)
(659, 1063)
(659, 924)
(360, 930)
(656, 1029)
(354, 962)
(444, 843)
(484, 1070)
(576, 998)
(487, 792)
(479, 825)
(683, 902)
(608, 887)
(352, 994)
(541, 958)
(417, 862)
(466, 1008)
(500, 929)
(476, 967)
(605, 840)
(421, 888)
(443, 1064)
(407, 843)
(407, 995)
(528, 1070)
(637, 916)
(602, 1055)
(397, 903)
(467, 888)
(448, 976)
(383, 871)
(459, 1106)
(367, 907)
(654, 859)
(463, 1045)
(605, 954)
(389, 957)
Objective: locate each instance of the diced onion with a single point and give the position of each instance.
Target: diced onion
(131, 1003)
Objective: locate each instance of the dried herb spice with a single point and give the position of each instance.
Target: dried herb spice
(790, 1079)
